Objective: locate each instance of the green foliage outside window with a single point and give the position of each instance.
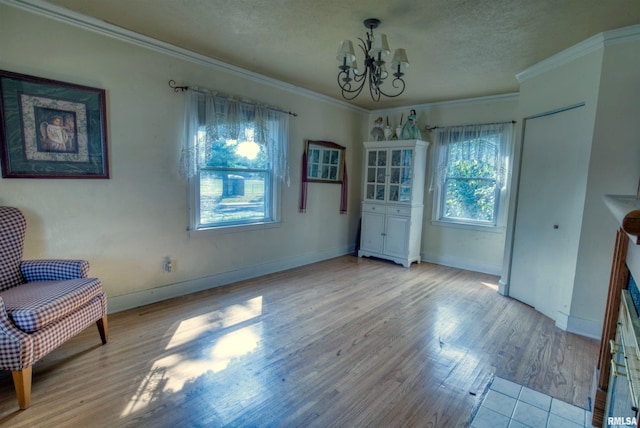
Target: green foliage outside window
(470, 185)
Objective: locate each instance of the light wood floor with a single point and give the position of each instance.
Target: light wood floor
(347, 342)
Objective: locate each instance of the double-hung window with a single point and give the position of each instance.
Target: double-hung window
(469, 176)
(235, 157)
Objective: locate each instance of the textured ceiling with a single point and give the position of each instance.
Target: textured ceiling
(457, 48)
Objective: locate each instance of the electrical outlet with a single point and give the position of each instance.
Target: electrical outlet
(167, 265)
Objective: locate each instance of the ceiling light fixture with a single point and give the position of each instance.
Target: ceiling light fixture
(352, 80)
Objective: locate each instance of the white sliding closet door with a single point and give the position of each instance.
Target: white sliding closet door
(551, 195)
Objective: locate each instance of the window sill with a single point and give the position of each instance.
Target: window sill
(236, 228)
(469, 226)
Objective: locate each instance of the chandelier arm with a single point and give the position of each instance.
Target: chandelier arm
(345, 85)
(359, 77)
(363, 46)
(393, 83)
(344, 80)
(374, 91)
(355, 92)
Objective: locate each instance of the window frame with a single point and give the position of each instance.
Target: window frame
(439, 204)
(270, 220)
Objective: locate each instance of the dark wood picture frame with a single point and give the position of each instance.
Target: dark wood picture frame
(51, 129)
(325, 162)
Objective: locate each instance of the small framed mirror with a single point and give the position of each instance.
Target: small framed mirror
(325, 162)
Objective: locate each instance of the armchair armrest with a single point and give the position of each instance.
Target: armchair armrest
(54, 270)
(17, 346)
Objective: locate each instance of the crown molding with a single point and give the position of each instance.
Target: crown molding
(513, 96)
(590, 45)
(622, 35)
(61, 14)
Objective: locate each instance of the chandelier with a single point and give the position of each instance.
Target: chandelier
(352, 79)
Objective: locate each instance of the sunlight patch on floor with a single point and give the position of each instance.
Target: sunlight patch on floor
(189, 360)
(446, 322)
(446, 327)
(490, 285)
(235, 345)
(146, 393)
(192, 328)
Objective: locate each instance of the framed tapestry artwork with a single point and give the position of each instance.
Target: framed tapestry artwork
(51, 129)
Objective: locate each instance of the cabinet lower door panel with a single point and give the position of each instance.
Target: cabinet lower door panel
(396, 239)
(372, 232)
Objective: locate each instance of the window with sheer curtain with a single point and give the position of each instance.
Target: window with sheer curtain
(469, 174)
(235, 157)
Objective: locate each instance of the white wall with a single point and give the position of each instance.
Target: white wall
(565, 85)
(126, 225)
(614, 169)
(604, 73)
(470, 249)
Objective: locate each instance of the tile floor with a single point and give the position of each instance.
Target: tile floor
(509, 405)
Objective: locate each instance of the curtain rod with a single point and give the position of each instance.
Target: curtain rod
(176, 88)
(475, 124)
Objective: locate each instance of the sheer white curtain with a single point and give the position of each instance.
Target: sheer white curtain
(489, 143)
(226, 118)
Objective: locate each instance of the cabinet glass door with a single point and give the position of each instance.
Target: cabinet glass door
(400, 175)
(376, 174)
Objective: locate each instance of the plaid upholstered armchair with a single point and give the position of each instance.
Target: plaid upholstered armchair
(43, 303)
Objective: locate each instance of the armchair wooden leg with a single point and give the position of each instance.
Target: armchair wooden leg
(22, 383)
(103, 329)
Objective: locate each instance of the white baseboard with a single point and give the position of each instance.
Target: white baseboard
(157, 294)
(584, 327)
(562, 320)
(579, 326)
(462, 264)
(502, 287)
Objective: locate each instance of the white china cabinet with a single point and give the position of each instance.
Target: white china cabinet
(392, 204)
